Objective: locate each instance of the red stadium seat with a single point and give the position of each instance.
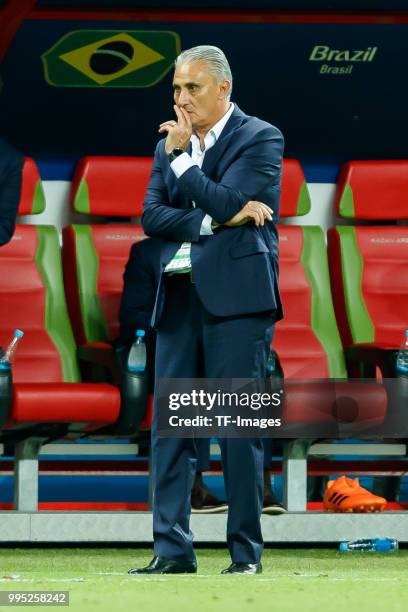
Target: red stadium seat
(110, 186)
(307, 340)
(48, 396)
(95, 255)
(295, 197)
(369, 264)
(369, 275)
(369, 270)
(32, 199)
(33, 299)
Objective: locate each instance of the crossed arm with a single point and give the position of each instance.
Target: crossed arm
(229, 202)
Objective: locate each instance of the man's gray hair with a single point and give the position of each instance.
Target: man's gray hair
(215, 58)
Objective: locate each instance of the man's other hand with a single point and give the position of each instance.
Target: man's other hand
(252, 211)
(178, 132)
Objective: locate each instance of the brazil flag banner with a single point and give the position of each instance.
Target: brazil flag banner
(106, 58)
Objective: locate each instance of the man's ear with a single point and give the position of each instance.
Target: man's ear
(225, 87)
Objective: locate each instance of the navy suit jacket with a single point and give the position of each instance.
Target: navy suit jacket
(235, 269)
(11, 165)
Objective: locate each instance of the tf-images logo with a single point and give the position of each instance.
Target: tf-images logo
(342, 61)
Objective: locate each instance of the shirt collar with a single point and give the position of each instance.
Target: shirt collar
(213, 135)
(219, 126)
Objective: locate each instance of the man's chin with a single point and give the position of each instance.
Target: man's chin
(195, 121)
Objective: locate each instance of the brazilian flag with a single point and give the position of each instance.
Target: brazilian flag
(106, 58)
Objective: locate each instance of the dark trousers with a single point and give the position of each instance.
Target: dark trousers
(203, 454)
(192, 343)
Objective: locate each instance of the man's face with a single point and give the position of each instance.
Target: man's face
(196, 90)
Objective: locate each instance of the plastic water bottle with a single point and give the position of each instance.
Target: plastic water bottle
(7, 355)
(380, 545)
(6, 378)
(401, 362)
(137, 354)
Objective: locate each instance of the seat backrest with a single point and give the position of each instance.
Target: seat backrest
(32, 295)
(374, 190)
(110, 186)
(94, 260)
(369, 264)
(369, 274)
(95, 255)
(32, 199)
(295, 197)
(307, 339)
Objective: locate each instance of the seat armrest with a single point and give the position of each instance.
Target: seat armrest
(134, 386)
(6, 394)
(368, 356)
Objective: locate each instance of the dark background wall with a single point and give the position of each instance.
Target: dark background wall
(298, 5)
(335, 85)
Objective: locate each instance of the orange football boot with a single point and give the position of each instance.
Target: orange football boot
(346, 495)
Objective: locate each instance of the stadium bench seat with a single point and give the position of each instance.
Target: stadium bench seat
(307, 340)
(369, 276)
(49, 398)
(369, 264)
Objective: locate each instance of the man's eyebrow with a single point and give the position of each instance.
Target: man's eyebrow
(187, 84)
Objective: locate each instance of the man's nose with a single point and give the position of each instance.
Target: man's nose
(183, 98)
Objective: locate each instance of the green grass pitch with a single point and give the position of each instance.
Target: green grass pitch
(293, 579)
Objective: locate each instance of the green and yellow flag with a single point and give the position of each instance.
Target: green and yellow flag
(106, 58)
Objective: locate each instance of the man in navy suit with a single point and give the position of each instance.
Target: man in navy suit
(11, 165)
(140, 281)
(214, 186)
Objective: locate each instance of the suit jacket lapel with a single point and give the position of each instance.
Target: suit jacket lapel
(213, 155)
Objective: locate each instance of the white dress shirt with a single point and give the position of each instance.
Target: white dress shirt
(181, 261)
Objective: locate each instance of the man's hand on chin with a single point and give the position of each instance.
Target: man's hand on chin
(178, 132)
(252, 211)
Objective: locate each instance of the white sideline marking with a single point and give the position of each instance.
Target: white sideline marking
(42, 579)
(271, 579)
(156, 578)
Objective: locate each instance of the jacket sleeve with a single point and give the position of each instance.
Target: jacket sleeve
(161, 219)
(258, 165)
(10, 192)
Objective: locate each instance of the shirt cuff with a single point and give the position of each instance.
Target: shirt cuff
(206, 229)
(181, 164)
